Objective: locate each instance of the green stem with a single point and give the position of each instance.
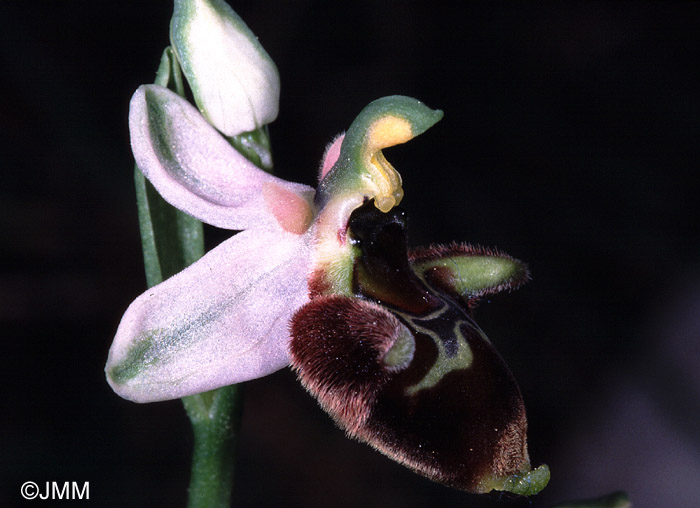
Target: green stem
(215, 418)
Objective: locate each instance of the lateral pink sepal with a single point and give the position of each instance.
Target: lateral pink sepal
(194, 168)
(223, 320)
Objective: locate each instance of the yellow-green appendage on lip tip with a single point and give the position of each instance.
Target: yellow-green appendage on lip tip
(361, 167)
(527, 483)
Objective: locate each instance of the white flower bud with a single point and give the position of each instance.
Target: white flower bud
(234, 81)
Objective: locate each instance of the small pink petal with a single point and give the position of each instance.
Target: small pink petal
(194, 168)
(223, 320)
(330, 157)
(293, 213)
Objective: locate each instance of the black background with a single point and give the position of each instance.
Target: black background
(570, 140)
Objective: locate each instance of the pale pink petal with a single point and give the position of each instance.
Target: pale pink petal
(330, 156)
(195, 169)
(223, 320)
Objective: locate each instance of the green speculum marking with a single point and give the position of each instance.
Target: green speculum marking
(454, 352)
(455, 414)
(383, 274)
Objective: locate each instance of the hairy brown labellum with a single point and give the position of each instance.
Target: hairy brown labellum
(342, 358)
(403, 367)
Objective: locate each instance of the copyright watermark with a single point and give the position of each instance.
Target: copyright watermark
(55, 490)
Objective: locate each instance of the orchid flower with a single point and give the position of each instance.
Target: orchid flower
(322, 280)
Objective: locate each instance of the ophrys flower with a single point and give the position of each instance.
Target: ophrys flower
(323, 280)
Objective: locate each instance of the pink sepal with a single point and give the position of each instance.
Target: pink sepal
(221, 321)
(195, 169)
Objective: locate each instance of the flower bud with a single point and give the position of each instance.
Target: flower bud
(234, 81)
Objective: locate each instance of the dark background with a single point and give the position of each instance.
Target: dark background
(570, 140)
